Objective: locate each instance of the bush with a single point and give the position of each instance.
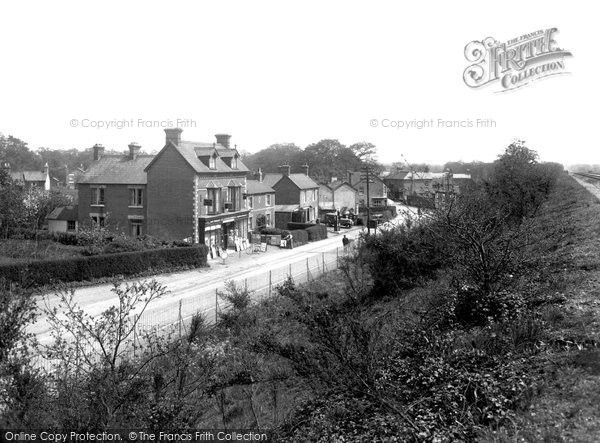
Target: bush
(65, 238)
(317, 232)
(39, 273)
(300, 237)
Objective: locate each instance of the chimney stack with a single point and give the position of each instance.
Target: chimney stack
(260, 175)
(46, 168)
(305, 167)
(134, 150)
(285, 169)
(223, 139)
(173, 135)
(98, 151)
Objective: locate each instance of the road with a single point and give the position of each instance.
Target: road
(194, 291)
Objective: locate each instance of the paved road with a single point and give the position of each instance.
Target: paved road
(197, 287)
(194, 291)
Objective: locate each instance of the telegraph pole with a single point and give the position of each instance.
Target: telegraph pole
(366, 167)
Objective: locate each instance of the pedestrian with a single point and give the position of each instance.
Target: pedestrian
(345, 242)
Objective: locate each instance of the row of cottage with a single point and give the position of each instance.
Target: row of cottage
(203, 193)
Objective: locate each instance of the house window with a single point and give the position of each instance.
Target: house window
(268, 218)
(71, 225)
(136, 228)
(97, 220)
(212, 194)
(136, 197)
(234, 162)
(249, 201)
(212, 161)
(233, 193)
(98, 196)
(303, 196)
(361, 189)
(269, 201)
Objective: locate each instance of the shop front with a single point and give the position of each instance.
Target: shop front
(224, 231)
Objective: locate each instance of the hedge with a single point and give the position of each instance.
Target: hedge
(273, 231)
(296, 225)
(300, 237)
(41, 272)
(317, 232)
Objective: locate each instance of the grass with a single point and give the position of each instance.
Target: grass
(568, 406)
(20, 250)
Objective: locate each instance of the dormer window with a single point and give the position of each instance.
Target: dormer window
(212, 161)
(234, 162)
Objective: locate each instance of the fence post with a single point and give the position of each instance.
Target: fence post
(269, 282)
(307, 271)
(216, 305)
(246, 284)
(290, 272)
(323, 260)
(180, 318)
(337, 257)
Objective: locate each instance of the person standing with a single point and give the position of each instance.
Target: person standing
(345, 242)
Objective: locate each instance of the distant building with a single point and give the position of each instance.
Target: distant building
(378, 191)
(297, 197)
(38, 179)
(63, 219)
(260, 200)
(338, 196)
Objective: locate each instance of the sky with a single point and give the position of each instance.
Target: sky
(74, 74)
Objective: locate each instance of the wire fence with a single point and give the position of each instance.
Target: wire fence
(176, 317)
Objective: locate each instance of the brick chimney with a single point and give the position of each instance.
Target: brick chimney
(305, 167)
(173, 135)
(223, 139)
(134, 150)
(285, 169)
(260, 175)
(98, 151)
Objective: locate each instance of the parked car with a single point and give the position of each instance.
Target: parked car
(346, 223)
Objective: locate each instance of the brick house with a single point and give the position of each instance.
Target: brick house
(338, 196)
(396, 185)
(378, 191)
(195, 191)
(114, 187)
(297, 197)
(260, 200)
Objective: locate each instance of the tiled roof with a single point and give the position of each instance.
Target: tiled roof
(63, 213)
(271, 178)
(303, 181)
(118, 169)
(256, 187)
(29, 176)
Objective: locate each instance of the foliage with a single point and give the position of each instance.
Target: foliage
(317, 232)
(300, 236)
(44, 272)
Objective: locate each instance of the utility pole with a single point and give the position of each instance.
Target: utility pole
(366, 167)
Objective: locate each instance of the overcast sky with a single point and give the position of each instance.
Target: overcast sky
(274, 72)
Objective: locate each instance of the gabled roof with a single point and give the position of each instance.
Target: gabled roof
(190, 151)
(118, 169)
(358, 176)
(29, 176)
(302, 181)
(256, 187)
(63, 213)
(270, 178)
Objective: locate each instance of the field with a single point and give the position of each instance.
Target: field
(19, 250)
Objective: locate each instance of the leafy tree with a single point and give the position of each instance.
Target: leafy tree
(17, 153)
(11, 203)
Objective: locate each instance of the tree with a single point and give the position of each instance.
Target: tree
(11, 203)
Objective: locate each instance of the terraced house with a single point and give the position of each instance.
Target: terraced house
(114, 188)
(195, 191)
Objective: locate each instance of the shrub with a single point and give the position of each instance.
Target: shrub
(317, 232)
(37, 273)
(300, 237)
(65, 238)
